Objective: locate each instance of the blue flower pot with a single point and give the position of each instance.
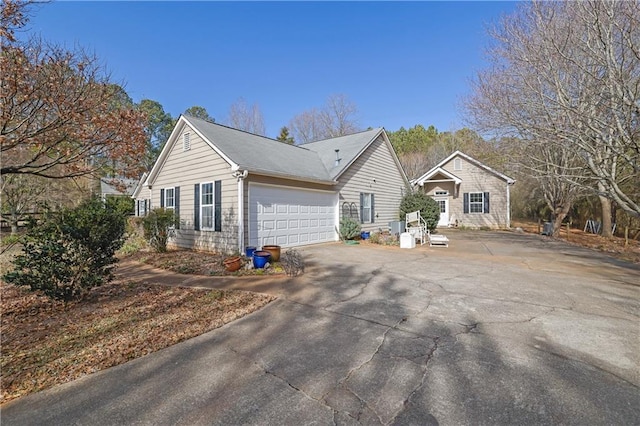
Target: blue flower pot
(249, 251)
(365, 235)
(260, 259)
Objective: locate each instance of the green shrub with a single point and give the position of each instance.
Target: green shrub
(429, 208)
(349, 228)
(70, 251)
(124, 205)
(134, 240)
(158, 226)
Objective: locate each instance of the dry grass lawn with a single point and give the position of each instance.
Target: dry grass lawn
(46, 343)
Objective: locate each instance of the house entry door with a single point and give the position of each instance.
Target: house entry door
(443, 202)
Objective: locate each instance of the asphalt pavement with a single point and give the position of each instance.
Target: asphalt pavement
(498, 328)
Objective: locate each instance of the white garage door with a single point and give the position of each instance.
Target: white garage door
(290, 217)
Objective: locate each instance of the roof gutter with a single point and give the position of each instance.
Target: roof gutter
(292, 177)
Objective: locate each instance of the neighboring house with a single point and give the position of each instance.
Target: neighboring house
(124, 187)
(233, 189)
(469, 193)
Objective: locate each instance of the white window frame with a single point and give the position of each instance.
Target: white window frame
(186, 141)
(173, 198)
(441, 193)
(476, 204)
(203, 206)
(366, 209)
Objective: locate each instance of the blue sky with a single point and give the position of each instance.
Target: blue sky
(401, 63)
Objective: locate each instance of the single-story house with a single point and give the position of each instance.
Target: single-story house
(470, 193)
(232, 189)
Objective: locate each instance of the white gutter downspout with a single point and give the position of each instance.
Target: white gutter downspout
(240, 177)
(508, 205)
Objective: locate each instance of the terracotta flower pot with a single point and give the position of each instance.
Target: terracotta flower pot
(233, 263)
(274, 250)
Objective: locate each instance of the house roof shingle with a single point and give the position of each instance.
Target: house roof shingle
(260, 154)
(108, 188)
(312, 161)
(350, 147)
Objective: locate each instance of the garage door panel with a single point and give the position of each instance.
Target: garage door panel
(289, 216)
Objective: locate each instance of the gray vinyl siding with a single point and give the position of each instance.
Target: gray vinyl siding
(377, 162)
(476, 179)
(200, 164)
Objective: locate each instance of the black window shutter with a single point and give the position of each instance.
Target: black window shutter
(196, 207)
(486, 202)
(146, 208)
(162, 198)
(373, 213)
(138, 208)
(465, 202)
(217, 205)
(176, 203)
(361, 207)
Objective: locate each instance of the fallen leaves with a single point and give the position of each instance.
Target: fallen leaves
(614, 246)
(45, 343)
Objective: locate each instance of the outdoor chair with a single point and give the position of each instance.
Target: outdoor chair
(416, 226)
(437, 239)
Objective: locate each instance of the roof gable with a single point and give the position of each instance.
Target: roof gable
(440, 174)
(427, 176)
(139, 185)
(350, 148)
(247, 151)
(313, 162)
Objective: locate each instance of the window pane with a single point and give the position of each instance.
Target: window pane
(168, 198)
(476, 208)
(207, 194)
(476, 202)
(366, 201)
(207, 217)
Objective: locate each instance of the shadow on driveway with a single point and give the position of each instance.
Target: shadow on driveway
(496, 329)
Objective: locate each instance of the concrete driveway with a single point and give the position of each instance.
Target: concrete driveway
(499, 328)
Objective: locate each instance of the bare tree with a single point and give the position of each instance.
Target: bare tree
(566, 75)
(60, 116)
(246, 117)
(306, 127)
(338, 117)
(415, 163)
(13, 16)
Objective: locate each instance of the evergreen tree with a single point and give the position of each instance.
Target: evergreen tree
(285, 137)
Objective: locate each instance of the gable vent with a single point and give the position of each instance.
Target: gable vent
(186, 142)
(457, 164)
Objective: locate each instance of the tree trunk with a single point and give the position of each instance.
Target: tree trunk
(560, 214)
(606, 213)
(14, 222)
